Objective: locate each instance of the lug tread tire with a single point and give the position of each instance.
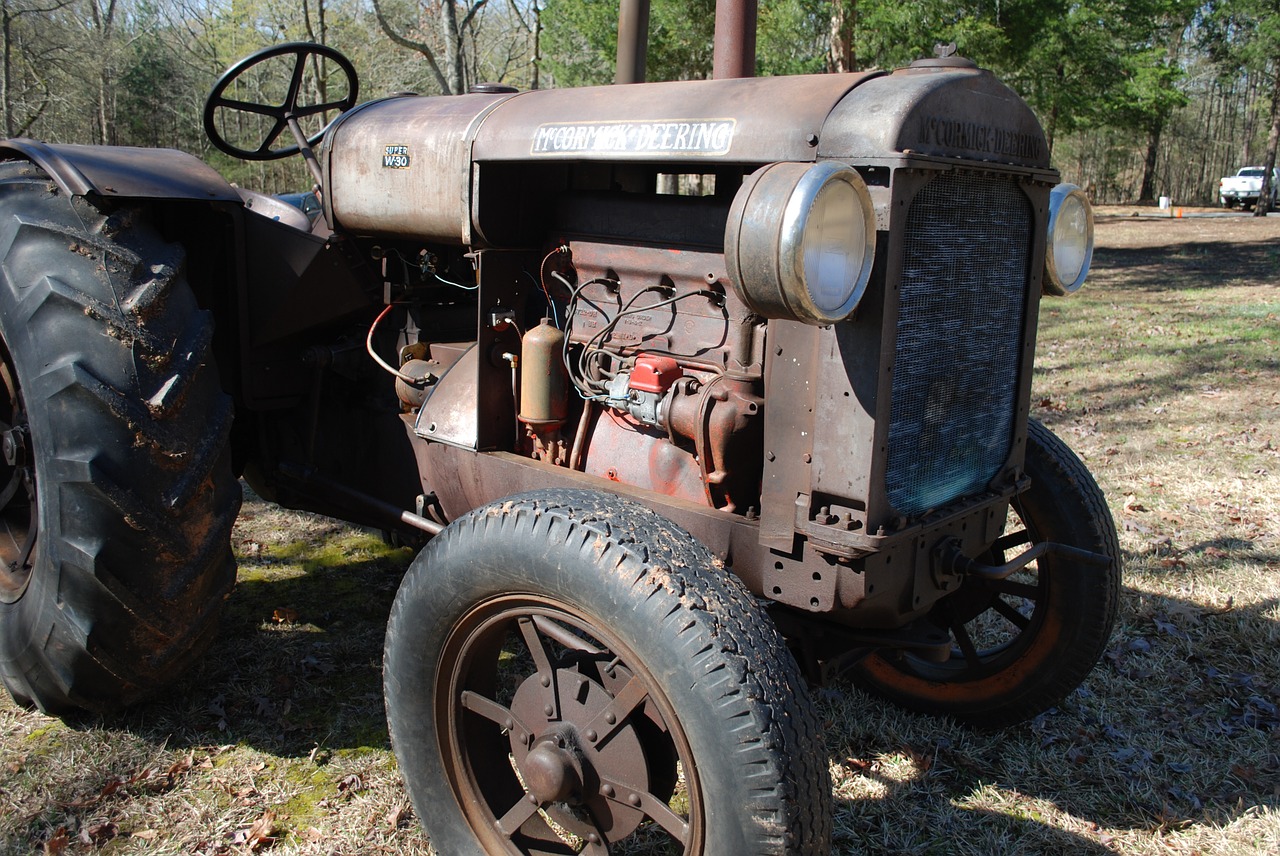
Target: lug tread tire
(130, 430)
(743, 675)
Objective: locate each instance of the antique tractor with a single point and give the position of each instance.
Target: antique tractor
(697, 392)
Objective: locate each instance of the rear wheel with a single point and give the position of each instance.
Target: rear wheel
(117, 498)
(1019, 645)
(568, 672)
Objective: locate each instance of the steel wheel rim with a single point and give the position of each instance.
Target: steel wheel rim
(18, 509)
(514, 767)
(979, 655)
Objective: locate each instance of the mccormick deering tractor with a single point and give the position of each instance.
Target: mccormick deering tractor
(698, 393)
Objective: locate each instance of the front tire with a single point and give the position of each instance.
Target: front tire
(1020, 644)
(565, 669)
(115, 552)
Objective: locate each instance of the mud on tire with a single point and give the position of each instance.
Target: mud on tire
(115, 557)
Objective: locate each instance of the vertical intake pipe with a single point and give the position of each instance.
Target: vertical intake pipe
(633, 41)
(735, 49)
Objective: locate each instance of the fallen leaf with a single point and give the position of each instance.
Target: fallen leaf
(98, 834)
(145, 834)
(1131, 503)
(285, 615)
(181, 765)
(350, 784)
(396, 815)
(57, 842)
(259, 835)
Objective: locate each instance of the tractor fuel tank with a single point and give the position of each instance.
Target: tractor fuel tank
(403, 165)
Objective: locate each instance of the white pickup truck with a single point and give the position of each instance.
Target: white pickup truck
(1245, 187)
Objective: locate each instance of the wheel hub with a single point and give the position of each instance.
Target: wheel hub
(565, 760)
(14, 446)
(552, 773)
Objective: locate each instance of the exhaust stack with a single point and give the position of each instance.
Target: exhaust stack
(735, 40)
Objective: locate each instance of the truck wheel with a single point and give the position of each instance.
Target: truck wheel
(117, 493)
(565, 670)
(1021, 644)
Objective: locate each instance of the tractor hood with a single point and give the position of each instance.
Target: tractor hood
(408, 166)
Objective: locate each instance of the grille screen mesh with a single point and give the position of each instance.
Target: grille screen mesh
(964, 279)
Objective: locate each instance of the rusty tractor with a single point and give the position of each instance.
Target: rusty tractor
(696, 394)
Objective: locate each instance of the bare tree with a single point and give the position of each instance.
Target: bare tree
(11, 14)
(452, 20)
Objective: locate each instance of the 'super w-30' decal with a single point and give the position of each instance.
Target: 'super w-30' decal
(679, 136)
(395, 157)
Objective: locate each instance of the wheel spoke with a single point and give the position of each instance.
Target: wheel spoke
(1011, 540)
(537, 648)
(509, 824)
(1027, 591)
(963, 640)
(249, 107)
(613, 717)
(1006, 609)
(541, 661)
(657, 810)
(492, 711)
(273, 135)
(587, 830)
(312, 109)
(295, 83)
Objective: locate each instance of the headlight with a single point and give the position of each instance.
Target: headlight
(800, 241)
(1070, 247)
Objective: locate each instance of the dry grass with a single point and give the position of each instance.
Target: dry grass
(1162, 374)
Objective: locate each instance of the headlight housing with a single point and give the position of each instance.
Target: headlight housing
(800, 241)
(1069, 249)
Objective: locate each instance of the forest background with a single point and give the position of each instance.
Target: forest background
(1139, 98)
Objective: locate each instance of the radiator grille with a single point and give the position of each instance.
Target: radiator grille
(963, 296)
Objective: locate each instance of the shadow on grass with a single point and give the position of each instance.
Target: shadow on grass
(1190, 264)
(1176, 726)
(297, 665)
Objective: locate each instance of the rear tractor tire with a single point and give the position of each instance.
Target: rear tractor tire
(116, 490)
(568, 672)
(1021, 644)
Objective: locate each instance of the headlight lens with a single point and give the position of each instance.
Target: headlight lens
(1070, 247)
(800, 241)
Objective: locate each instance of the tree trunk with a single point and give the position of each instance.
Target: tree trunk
(1273, 140)
(840, 55)
(5, 92)
(1148, 193)
(451, 34)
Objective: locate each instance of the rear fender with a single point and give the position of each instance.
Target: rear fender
(123, 172)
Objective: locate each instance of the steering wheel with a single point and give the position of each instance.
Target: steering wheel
(286, 115)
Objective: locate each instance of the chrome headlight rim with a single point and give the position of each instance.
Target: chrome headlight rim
(1060, 198)
(767, 233)
(794, 236)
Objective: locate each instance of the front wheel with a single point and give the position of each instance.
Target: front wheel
(568, 672)
(1019, 645)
